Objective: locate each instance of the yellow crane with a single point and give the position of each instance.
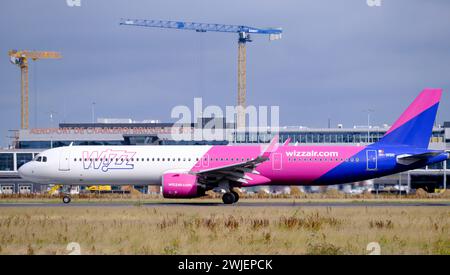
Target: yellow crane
(20, 58)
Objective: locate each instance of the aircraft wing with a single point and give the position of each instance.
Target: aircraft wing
(236, 171)
(408, 159)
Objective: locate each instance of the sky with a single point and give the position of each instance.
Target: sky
(335, 60)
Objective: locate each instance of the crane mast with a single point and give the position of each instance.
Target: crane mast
(20, 58)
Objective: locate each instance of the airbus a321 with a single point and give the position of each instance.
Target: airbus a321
(190, 171)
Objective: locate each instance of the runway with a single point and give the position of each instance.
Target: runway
(239, 204)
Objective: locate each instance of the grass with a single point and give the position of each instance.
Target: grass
(225, 230)
(332, 196)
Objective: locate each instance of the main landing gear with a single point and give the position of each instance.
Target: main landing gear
(230, 197)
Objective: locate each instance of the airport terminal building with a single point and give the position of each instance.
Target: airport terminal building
(26, 144)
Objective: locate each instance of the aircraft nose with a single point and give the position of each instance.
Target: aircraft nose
(25, 171)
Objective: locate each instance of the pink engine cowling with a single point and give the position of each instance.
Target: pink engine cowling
(180, 185)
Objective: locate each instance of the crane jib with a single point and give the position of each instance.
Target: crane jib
(199, 27)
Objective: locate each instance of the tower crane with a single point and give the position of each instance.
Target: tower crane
(243, 37)
(20, 58)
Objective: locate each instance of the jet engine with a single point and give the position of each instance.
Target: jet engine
(181, 185)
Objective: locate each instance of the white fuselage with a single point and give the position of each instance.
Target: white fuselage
(112, 165)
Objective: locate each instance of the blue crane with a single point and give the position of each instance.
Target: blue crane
(244, 37)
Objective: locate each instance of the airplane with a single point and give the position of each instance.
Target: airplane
(190, 171)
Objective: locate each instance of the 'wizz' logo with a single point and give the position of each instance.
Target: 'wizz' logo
(108, 159)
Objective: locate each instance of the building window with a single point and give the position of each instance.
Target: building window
(6, 162)
(22, 158)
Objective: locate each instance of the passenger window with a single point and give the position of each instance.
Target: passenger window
(74, 159)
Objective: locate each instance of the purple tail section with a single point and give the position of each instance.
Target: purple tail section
(414, 127)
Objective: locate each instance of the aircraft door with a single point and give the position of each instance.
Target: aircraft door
(277, 161)
(64, 159)
(205, 161)
(372, 159)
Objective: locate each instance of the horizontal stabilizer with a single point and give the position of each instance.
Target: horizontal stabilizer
(408, 159)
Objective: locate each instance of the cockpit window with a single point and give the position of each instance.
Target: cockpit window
(39, 159)
(44, 159)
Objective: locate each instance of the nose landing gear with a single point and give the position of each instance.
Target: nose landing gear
(66, 199)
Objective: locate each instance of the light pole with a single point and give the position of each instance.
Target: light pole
(51, 113)
(93, 112)
(368, 123)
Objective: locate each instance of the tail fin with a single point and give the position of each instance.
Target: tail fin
(414, 127)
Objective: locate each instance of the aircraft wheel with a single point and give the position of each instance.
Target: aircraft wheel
(236, 196)
(66, 199)
(228, 198)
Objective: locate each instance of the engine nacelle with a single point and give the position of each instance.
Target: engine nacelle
(181, 185)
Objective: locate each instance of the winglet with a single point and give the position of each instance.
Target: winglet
(288, 140)
(273, 145)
